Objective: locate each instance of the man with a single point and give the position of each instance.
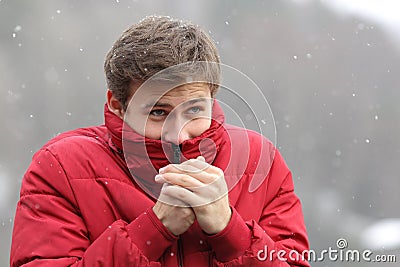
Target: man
(150, 187)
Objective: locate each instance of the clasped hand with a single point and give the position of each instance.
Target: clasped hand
(193, 189)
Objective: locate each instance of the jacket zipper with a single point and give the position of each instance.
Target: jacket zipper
(180, 253)
(177, 154)
(176, 160)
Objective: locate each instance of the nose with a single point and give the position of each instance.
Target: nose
(175, 130)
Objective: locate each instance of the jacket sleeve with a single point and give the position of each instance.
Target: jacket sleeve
(49, 231)
(278, 238)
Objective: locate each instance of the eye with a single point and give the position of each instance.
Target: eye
(157, 112)
(193, 110)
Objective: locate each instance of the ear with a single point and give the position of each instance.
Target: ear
(114, 105)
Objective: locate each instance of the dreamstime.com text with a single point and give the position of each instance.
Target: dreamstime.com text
(339, 254)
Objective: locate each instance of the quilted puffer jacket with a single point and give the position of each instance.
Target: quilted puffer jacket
(85, 201)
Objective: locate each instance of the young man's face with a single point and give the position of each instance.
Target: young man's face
(178, 115)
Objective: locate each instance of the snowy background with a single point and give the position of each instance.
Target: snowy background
(329, 69)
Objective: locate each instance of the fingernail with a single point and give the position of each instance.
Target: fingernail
(161, 170)
(158, 177)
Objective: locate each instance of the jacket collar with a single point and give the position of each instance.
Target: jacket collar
(124, 138)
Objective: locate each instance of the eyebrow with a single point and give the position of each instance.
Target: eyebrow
(154, 104)
(159, 104)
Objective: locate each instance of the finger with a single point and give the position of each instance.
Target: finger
(181, 179)
(178, 168)
(192, 166)
(203, 178)
(189, 165)
(159, 179)
(182, 194)
(201, 164)
(170, 200)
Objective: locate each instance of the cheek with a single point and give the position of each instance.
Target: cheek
(197, 127)
(144, 126)
(135, 120)
(153, 130)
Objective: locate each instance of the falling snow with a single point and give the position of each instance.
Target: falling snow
(354, 90)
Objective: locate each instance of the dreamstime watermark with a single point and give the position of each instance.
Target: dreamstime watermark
(339, 254)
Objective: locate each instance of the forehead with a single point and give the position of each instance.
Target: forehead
(173, 97)
(189, 91)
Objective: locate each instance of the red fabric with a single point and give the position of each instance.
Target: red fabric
(80, 206)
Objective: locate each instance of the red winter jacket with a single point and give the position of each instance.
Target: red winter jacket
(80, 206)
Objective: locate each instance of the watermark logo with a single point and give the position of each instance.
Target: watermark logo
(338, 254)
(341, 243)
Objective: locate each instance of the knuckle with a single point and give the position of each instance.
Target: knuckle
(214, 177)
(174, 167)
(184, 179)
(187, 214)
(166, 177)
(219, 172)
(180, 195)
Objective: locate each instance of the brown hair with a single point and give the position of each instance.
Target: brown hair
(153, 44)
